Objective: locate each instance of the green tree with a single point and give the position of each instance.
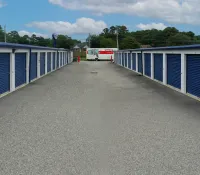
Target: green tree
(129, 43)
(179, 39)
(1, 34)
(107, 43)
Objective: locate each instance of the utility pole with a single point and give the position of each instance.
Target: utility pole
(117, 34)
(5, 39)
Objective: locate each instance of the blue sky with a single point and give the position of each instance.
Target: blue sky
(77, 18)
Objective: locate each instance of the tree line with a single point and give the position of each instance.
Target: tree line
(170, 36)
(63, 41)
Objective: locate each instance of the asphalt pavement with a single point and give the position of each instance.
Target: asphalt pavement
(96, 118)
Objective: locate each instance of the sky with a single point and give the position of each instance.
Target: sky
(78, 18)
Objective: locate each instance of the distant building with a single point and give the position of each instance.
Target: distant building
(80, 47)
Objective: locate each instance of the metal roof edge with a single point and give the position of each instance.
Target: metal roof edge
(24, 46)
(187, 47)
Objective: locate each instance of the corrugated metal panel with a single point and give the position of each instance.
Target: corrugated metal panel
(20, 69)
(33, 66)
(158, 67)
(129, 60)
(58, 58)
(48, 62)
(134, 61)
(54, 61)
(42, 63)
(140, 66)
(4, 72)
(125, 59)
(193, 75)
(147, 59)
(174, 70)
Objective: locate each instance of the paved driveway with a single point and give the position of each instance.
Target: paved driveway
(95, 118)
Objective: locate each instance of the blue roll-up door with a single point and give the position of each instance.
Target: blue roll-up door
(193, 75)
(134, 61)
(20, 69)
(125, 59)
(158, 67)
(48, 62)
(129, 60)
(58, 57)
(123, 56)
(42, 64)
(4, 72)
(54, 61)
(174, 70)
(33, 66)
(140, 66)
(147, 64)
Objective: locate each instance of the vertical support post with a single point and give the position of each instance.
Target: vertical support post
(131, 60)
(164, 68)
(136, 62)
(143, 64)
(152, 66)
(12, 72)
(59, 59)
(46, 62)
(27, 66)
(127, 60)
(121, 58)
(51, 61)
(183, 73)
(38, 64)
(56, 57)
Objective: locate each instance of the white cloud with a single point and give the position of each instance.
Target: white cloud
(173, 11)
(2, 4)
(23, 32)
(81, 26)
(159, 26)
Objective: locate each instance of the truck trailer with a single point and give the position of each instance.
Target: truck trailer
(98, 54)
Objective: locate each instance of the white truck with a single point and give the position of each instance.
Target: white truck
(98, 54)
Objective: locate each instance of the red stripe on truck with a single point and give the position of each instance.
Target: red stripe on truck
(106, 52)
